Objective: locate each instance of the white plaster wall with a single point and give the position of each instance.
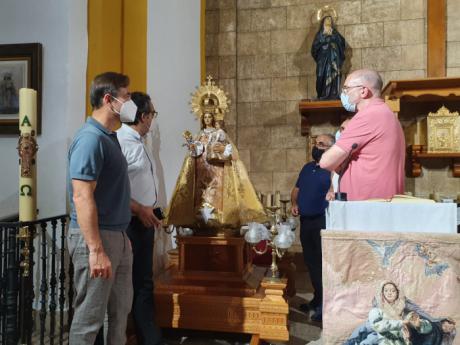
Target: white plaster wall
(173, 68)
(173, 72)
(61, 28)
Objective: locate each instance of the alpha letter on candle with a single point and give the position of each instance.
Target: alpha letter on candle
(27, 148)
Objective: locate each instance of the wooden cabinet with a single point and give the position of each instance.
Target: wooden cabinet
(414, 99)
(418, 154)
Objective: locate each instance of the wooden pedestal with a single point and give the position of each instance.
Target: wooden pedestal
(226, 258)
(215, 287)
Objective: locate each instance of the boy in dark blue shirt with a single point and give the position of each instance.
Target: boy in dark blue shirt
(308, 199)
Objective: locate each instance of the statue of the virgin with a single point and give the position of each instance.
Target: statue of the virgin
(213, 191)
(328, 50)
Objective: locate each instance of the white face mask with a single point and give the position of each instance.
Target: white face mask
(127, 111)
(345, 99)
(337, 136)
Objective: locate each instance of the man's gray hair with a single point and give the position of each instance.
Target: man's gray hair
(330, 137)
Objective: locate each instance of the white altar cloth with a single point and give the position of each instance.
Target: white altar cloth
(394, 217)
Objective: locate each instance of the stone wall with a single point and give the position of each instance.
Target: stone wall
(453, 38)
(437, 175)
(259, 50)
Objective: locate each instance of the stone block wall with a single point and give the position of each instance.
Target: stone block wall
(437, 175)
(259, 51)
(453, 38)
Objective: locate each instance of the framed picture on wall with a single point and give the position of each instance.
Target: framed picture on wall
(20, 66)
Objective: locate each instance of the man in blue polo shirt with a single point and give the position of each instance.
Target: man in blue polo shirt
(308, 199)
(99, 194)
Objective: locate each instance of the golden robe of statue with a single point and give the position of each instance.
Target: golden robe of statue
(213, 191)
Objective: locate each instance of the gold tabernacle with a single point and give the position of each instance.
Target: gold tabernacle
(444, 131)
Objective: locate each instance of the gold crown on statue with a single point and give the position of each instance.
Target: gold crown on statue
(324, 11)
(209, 98)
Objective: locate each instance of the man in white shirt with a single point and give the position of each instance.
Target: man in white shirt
(144, 195)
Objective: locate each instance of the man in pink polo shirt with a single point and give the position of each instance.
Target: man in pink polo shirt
(376, 167)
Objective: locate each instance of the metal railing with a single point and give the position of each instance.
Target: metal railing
(35, 252)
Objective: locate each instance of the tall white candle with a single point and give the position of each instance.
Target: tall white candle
(277, 201)
(268, 201)
(28, 132)
(417, 133)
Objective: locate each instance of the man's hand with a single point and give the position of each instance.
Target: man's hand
(294, 207)
(100, 265)
(145, 214)
(330, 196)
(157, 222)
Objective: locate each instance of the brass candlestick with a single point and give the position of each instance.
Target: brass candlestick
(278, 242)
(273, 210)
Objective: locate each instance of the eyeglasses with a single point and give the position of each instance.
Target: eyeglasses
(346, 88)
(153, 113)
(322, 145)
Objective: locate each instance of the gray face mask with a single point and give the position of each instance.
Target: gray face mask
(128, 110)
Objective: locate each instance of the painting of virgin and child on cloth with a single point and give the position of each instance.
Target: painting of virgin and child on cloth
(391, 288)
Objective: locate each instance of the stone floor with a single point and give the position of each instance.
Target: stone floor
(302, 331)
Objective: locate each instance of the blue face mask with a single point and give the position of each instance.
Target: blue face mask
(346, 103)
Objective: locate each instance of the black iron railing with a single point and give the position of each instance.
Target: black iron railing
(35, 252)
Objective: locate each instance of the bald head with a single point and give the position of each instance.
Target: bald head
(368, 78)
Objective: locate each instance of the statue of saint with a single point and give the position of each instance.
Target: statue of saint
(213, 191)
(328, 50)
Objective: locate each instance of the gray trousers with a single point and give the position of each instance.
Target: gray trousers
(96, 296)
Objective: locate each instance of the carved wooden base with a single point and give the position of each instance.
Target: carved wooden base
(212, 285)
(255, 340)
(223, 306)
(226, 258)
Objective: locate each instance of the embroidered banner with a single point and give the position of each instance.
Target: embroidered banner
(391, 288)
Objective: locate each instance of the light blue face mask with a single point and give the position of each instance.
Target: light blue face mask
(346, 103)
(337, 136)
